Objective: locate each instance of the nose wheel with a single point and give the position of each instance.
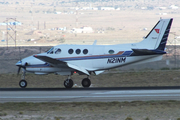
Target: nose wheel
(23, 83)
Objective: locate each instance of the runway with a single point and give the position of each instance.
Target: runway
(89, 95)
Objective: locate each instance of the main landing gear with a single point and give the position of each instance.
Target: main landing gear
(86, 82)
(68, 83)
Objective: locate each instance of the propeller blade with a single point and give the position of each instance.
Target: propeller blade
(19, 70)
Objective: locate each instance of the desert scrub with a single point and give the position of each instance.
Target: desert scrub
(3, 114)
(20, 112)
(59, 118)
(147, 118)
(128, 118)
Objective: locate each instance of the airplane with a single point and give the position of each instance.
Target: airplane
(95, 59)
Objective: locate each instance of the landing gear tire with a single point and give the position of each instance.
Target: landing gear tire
(68, 83)
(23, 83)
(86, 82)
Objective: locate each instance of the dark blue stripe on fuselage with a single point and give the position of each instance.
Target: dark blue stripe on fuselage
(127, 53)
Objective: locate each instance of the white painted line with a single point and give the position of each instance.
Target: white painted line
(140, 92)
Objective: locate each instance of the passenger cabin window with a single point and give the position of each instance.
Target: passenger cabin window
(85, 51)
(58, 51)
(111, 51)
(70, 51)
(51, 51)
(78, 51)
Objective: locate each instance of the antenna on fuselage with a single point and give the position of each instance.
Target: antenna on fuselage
(95, 42)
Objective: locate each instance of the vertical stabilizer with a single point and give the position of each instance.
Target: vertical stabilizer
(157, 37)
(162, 43)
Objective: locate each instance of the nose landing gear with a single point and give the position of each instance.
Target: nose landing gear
(23, 82)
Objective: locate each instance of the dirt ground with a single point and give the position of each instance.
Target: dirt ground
(136, 110)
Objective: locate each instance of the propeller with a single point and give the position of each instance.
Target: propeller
(19, 69)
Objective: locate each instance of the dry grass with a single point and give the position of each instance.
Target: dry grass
(122, 79)
(154, 110)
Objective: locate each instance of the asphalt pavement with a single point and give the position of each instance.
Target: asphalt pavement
(89, 94)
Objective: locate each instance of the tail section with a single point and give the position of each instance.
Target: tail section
(157, 37)
(164, 38)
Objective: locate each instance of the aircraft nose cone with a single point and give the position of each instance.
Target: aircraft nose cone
(19, 63)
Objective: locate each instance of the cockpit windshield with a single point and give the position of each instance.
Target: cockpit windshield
(50, 51)
(57, 51)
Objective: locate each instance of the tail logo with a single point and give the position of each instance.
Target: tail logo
(157, 30)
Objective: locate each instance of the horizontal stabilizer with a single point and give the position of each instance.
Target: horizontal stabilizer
(147, 52)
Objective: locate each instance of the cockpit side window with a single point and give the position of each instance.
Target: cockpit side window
(58, 51)
(51, 51)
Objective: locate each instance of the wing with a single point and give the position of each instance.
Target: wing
(58, 63)
(51, 61)
(78, 68)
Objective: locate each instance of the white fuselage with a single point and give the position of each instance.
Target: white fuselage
(90, 57)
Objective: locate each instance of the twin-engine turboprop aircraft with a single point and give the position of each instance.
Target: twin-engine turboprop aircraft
(88, 59)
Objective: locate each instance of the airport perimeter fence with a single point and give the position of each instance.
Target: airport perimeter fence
(9, 57)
